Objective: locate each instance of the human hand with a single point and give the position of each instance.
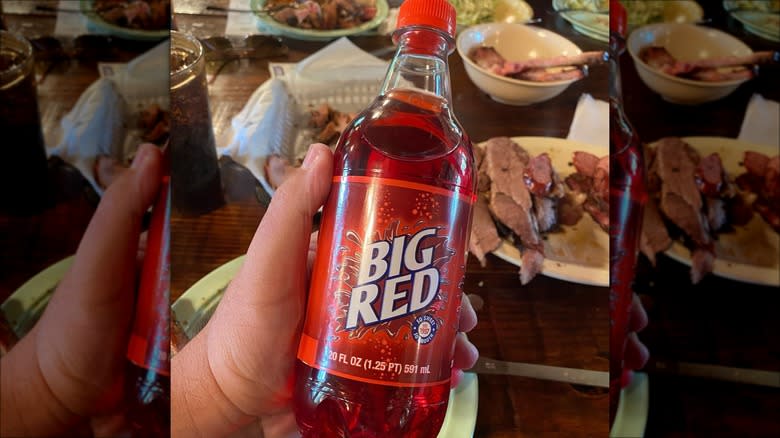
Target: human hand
(243, 359)
(636, 354)
(70, 367)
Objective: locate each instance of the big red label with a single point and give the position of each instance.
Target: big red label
(387, 282)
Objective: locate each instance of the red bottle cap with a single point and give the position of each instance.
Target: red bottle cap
(617, 18)
(439, 14)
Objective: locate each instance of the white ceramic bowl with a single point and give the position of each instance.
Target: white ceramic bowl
(686, 42)
(515, 42)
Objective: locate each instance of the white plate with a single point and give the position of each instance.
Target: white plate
(193, 308)
(267, 21)
(97, 22)
(773, 35)
(23, 308)
(284, 103)
(589, 32)
(669, 11)
(461, 417)
(579, 254)
(631, 417)
(596, 25)
(588, 23)
(752, 253)
(765, 25)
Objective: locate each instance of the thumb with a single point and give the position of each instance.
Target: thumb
(281, 241)
(89, 314)
(104, 265)
(262, 309)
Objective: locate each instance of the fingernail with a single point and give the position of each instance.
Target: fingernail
(474, 350)
(311, 156)
(141, 156)
(645, 353)
(476, 302)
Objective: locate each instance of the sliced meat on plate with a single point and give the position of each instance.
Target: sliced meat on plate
(655, 237)
(510, 200)
(484, 237)
(681, 201)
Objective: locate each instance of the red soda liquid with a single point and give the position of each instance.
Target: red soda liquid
(410, 136)
(149, 408)
(148, 382)
(627, 198)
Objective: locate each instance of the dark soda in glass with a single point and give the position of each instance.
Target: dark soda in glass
(197, 184)
(24, 183)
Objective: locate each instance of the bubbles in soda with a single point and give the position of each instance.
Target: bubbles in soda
(405, 135)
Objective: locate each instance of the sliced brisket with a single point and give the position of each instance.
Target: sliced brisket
(655, 237)
(484, 237)
(510, 200)
(680, 198)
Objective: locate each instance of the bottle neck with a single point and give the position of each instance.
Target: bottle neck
(616, 45)
(623, 137)
(420, 62)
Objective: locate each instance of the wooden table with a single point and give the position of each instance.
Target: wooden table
(28, 244)
(547, 322)
(718, 321)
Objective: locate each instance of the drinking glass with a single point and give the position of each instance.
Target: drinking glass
(195, 175)
(24, 176)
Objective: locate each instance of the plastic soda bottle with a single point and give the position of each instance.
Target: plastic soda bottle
(627, 197)
(376, 352)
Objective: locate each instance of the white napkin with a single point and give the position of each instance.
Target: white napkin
(144, 80)
(341, 61)
(388, 26)
(274, 120)
(147, 76)
(590, 123)
(95, 126)
(70, 23)
(760, 125)
(102, 122)
(241, 23)
(264, 127)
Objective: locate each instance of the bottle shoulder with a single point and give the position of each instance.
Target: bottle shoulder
(395, 139)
